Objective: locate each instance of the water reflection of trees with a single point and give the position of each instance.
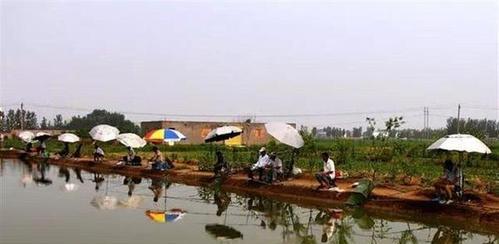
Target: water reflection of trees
(296, 224)
(299, 225)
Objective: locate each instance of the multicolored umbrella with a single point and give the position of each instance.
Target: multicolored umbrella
(166, 135)
(172, 215)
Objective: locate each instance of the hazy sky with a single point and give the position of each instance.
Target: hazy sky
(341, 58)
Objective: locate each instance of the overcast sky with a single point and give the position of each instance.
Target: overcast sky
(341, 58)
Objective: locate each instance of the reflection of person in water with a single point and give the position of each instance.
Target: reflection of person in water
(330, 219)
(131, 182)
(64, 172)
(445, 235)
(98, 179)
(157, 187)
(78, 174)
(41, 179)
(222, 200)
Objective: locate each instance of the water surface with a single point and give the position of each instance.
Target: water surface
(49, 204)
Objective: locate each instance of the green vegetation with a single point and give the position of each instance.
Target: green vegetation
(387, 161)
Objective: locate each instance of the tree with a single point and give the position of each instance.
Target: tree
(314, 131)
(357, 132)
(30, 121)
(371, 124)
(58, 122)
(392, 124)
(43, 124)
(84, 124)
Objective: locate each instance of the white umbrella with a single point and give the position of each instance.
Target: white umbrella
(285, 133)
(26, 136)
(131, 202)
(69, 187)
(104, 133)
(223, 133)
(68, 137)
(131, 140)
(104, 202)
(460, 143)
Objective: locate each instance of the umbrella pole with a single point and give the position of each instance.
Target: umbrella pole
(460, 174)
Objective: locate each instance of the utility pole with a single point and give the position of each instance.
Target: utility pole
(427, 122)
(22, 116)
(458, 116)
(424, 122)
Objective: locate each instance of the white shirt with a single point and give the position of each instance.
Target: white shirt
(329, 167)
(277, 163)
(262, 162)
(99, 151)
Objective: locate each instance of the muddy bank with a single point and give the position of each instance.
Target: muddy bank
(397, 203)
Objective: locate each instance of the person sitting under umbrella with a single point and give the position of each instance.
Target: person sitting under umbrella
(446, 185)
(77, 153)
(98, 154)
(42, 148)
(29, 147)
(65, 150)
(326, 177)
(131, 158)
(259, 166)
(276, 172)
(221, 166)
(158, 161)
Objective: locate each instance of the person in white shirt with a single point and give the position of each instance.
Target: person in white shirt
(259, 166)
(276, 165)
(326, 177)
(98, 153)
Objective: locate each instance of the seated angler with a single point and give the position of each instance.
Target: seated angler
(260, 165)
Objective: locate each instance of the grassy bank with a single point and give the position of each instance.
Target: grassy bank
(397, 161)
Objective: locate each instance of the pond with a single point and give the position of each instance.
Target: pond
(44, 203)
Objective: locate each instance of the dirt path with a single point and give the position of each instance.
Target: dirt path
(397, 202)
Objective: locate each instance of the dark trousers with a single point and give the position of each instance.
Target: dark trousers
(257, 170)
(325, 180)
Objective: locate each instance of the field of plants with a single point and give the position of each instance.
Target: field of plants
(387, 161)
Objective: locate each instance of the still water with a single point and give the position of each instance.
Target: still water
(49, 204)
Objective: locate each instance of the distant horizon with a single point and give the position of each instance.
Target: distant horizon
(363, 124)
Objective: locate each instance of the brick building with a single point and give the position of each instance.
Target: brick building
(253, 133)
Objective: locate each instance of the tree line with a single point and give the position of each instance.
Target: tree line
(28, 120)
(480, 128)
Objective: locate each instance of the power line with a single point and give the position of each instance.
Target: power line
(414, 109)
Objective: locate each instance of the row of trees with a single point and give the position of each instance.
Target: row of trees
(17, 119)
(481, 128)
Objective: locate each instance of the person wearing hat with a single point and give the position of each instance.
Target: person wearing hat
(259, 166)
(158, 162)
